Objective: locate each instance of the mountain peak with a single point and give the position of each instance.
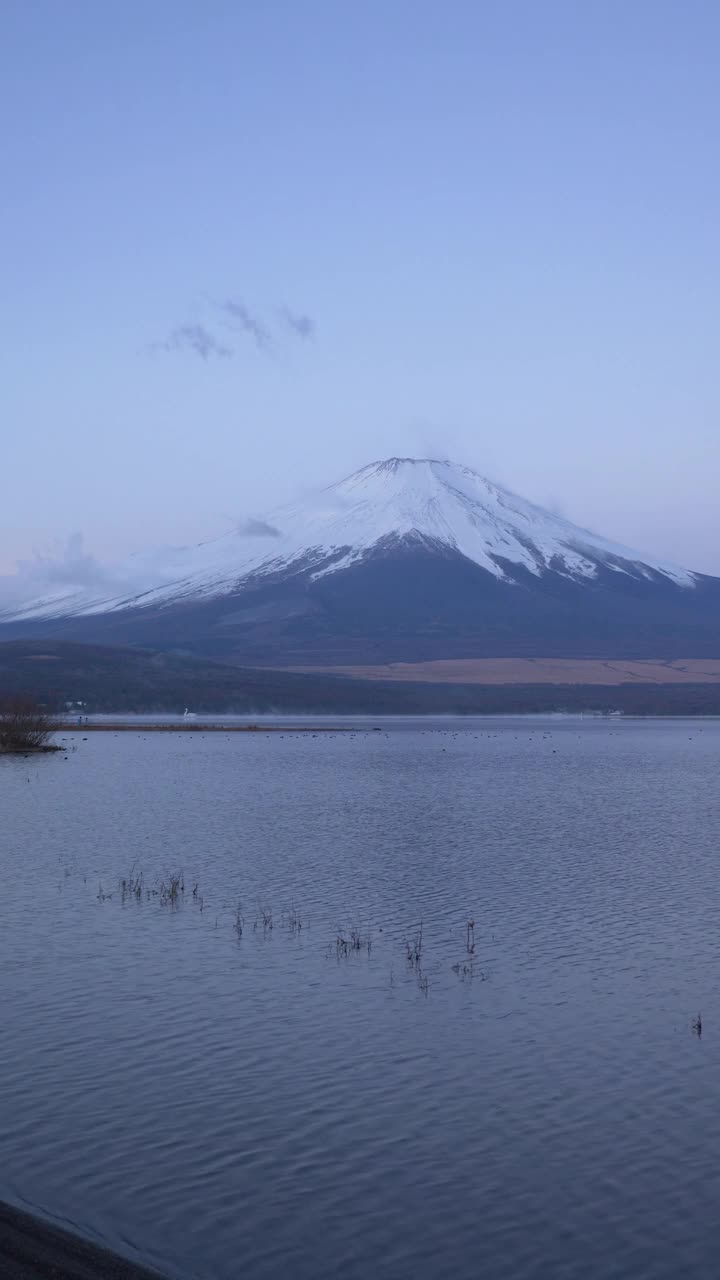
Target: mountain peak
(395, 464)
(428, 471)
(389, 468)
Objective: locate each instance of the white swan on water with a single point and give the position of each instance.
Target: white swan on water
(189, 715)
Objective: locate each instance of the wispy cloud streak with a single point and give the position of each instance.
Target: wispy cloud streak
(239, 317)
(300, 325)
(195, 338)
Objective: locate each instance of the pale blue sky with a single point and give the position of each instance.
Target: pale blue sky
(502, 219)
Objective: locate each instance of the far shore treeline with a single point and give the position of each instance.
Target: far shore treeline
(107, 679)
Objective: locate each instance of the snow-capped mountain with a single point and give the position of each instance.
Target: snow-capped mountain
(404, 557)
(440, 505)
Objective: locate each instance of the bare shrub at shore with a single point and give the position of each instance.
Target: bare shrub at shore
(25, 725)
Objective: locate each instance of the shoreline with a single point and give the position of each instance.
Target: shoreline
(197, 726)
(33, 1249)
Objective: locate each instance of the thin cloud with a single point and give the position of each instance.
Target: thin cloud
(240, 317)
(257, 529)
(195, 338)
(300, 325)
(68, 569)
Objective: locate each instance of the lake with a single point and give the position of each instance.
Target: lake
(309, 1063)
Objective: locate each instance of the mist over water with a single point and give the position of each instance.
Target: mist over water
(212, 1083)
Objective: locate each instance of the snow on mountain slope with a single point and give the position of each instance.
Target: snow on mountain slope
(441, 504)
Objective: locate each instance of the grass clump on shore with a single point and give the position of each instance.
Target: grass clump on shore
(25, 726)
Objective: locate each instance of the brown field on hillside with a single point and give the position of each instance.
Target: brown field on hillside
(591, 671)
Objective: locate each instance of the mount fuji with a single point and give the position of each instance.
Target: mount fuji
(405, 560)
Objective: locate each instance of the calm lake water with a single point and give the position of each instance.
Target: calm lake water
(278, 1104)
